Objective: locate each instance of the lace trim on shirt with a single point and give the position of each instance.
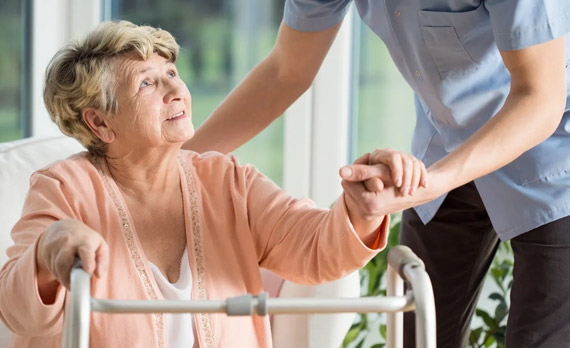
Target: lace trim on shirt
(203, 319)
(159, 318)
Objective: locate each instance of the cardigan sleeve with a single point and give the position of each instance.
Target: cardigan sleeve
(21, 307)
(300, 241)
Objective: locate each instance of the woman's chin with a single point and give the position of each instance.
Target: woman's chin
(181, 136)
(188, 136)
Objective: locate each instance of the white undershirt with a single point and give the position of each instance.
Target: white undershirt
(179, 328)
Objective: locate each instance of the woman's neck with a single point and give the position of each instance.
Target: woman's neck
(139, 176)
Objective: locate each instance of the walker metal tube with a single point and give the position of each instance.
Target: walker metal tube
(274, 306)
(77, 321)
(425, 305)
(412, 269)
(401, 262)
(394, 320)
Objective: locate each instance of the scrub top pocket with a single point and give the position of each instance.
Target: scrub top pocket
(458, 41)
(447, 51)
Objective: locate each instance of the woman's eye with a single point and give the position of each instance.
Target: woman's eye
(145, 83)
(171, 73)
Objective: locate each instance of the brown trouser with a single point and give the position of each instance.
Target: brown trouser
(458, 246)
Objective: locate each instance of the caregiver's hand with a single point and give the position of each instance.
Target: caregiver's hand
(387, 197)
(370, 174)
(407, 172)
(363, 184)
(58, 246)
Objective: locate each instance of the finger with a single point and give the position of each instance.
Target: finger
(86, 253)
(393, 160)
(396, 168)
(346, 171)
(407, 174)
(361, 172)
(102, 259)
(417, 176)
(374, 184)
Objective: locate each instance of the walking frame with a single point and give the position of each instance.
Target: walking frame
(403, 264)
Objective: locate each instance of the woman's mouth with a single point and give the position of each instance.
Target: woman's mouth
(177, 116)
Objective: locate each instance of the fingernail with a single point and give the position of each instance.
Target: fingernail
(399, 182)
(345, 172)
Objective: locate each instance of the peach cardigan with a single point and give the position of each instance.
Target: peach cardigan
(237, 220)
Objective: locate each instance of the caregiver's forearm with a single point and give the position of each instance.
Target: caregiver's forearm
(247, 110)
(266, 92)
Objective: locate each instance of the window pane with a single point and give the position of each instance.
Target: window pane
(220, 41)
(384, 106)
(11, 41)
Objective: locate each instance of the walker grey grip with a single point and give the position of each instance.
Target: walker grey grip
(400, 256)
(262, 303)
(240, 305)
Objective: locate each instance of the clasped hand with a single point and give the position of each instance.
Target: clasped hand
(383, 182)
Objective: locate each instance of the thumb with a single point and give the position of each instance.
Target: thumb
(361, 172)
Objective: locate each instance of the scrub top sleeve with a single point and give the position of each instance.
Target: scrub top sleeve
(314, 15)
(519, 24)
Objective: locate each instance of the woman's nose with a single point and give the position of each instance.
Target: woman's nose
(174, 90)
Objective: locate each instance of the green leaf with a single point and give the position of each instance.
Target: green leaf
(489, 321)
(394, 236)
(500, 336)
(475, 335)
(351, 335)
(383, 331)
(490, 340)
(379, 345)
(501, 312)
(373, 281)
(497, 297)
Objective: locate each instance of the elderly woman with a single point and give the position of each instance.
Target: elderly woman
(152, 221)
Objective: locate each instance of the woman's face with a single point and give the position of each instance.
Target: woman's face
(154, 104)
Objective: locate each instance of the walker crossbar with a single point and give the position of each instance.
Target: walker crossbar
(402, 264)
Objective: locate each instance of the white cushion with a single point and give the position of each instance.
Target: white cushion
(18, 160)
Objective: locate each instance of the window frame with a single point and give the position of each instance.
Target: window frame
(52, 24)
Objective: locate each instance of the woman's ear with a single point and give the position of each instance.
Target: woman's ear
(97, 122)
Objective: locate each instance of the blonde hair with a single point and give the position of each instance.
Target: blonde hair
(80, 75)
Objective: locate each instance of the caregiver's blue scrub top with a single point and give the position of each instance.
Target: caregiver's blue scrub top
(448, 52)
